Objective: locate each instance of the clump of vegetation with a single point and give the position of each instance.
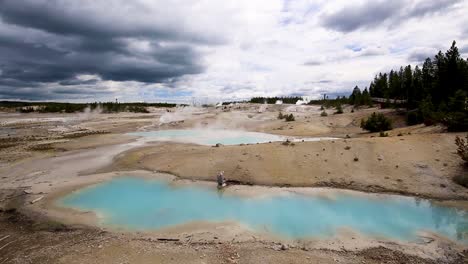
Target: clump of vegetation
(376, 122)
(339, 109)
(383, 134)
(281, 116)
(462, 148)
(290, 118)
(324, 113)
(321, 108)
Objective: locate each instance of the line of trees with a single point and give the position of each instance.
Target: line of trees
(56, 107)
(273, 100)
(437, 92)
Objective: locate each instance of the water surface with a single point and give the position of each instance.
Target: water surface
(141, 204)
(212, 137)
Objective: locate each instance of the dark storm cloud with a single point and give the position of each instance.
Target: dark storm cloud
(365, 15)
(87, 41)
(375, 13)
(420, 56)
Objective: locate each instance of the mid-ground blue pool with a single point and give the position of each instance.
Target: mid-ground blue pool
(142, 204)
(212, 137)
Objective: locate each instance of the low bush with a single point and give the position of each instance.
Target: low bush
(413, 118)
(290, 118)
(324, 114)
(281, 116)
(339, 109)
(376, 122)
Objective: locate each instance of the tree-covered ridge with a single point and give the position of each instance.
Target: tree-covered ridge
(437, 92)
(273, 100)
(56, 107)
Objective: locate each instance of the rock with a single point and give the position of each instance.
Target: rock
(218, 145)
(284, 247)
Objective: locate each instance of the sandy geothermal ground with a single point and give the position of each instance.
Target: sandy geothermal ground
(44, 156)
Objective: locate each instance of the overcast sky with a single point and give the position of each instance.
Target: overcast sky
(176, 50)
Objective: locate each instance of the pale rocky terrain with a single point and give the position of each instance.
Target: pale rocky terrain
(45, 155)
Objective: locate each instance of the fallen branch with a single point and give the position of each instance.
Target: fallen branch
(37, 200)
(5, 237)
(4, 246)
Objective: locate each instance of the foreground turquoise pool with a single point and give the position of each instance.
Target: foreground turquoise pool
(214, 136)
(142, 204)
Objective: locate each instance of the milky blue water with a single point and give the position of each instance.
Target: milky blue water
(141, 204)
(212, 137)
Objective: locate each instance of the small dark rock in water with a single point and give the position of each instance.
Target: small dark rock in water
(347, 136)
(356, 159)
(347, 148)
(445, 164)
(443, 185)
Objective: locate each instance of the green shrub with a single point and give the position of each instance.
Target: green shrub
(383, 134)
(339, 109)
(290, 118)
(413, 118)
(281, 116)
(324, 114)
(376, 123)
(456, 121)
